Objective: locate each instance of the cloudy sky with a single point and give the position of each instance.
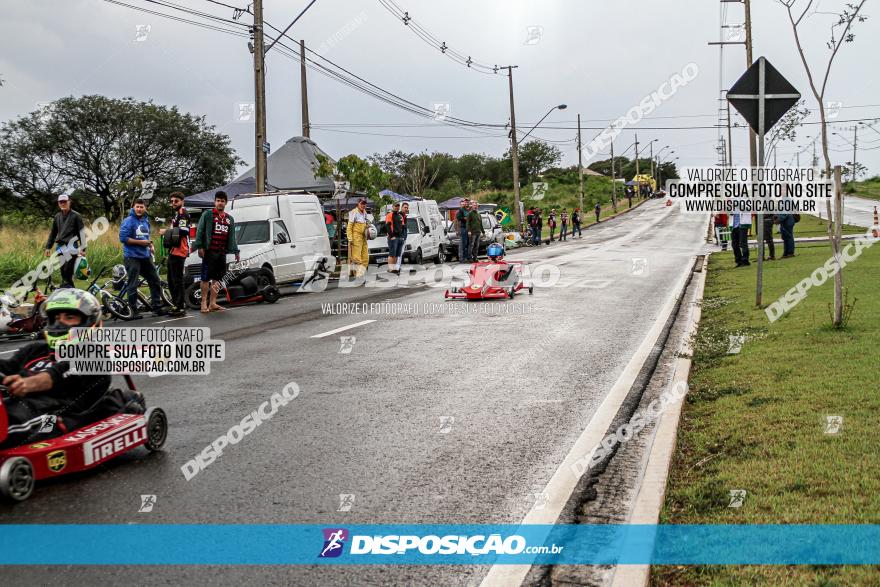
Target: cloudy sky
(600, 57)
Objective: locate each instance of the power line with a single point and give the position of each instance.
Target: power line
(234, 32)
(435, 42)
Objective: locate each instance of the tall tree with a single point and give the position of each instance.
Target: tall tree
(841, 32)
(101, 146)
(537, 156)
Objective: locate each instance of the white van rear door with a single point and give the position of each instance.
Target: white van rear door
(309, 233)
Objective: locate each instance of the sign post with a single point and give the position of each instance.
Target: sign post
(763, 97)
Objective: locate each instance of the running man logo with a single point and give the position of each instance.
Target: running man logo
(334, 542)
(833, 424)
(147, 503)
(56, 460)
(346, 344)
(539, 190)
(346, 500)
(737, 498)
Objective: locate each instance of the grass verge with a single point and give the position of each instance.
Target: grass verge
(757, 420)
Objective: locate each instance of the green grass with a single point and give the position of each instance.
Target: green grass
(21, 251)
(869, 188)
(755, 420)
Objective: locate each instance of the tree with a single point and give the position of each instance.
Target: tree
(535, 157)
(362, 175)
(786, 128)
(841, 32)
(102, 147)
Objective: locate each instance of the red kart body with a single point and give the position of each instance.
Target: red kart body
(491, 280)
(78, 450)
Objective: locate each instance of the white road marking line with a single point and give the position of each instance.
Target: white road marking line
(173, 319)
(335, 330)
(563, 481)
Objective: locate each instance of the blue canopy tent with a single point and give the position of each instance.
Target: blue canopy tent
(247, 185)
(344, 204)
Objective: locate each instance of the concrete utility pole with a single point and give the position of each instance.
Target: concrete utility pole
(652, 158)
(304, 87)
(261, 145)
(613, 181)
(855, 149)
(729, 139)
(753, 151)
(514, 151)
(637, 154)
(581, 168)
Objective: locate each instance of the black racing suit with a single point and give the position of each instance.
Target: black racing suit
(45, 414)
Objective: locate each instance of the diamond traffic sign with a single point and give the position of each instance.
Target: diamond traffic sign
(762, 95)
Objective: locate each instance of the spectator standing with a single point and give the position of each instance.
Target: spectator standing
(739, 237)
(178, 252)
(576, 223)
(461, 219)
(215, 238)
(394, 229)
(786, 231)
(475, 230)
(537, 224)
(563, 220)
(137, 253)
(768, 236)
(64, 237)
(404, 212)
(551, 224)
(356, 232)
(598, 210)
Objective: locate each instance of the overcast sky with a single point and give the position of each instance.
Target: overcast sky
(599, 57)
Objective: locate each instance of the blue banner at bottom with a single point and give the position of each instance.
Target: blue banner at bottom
(429, 544)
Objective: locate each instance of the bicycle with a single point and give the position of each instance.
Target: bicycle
(119, 284)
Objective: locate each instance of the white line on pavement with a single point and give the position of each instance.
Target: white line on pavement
(335, 330)
(173, 319)
(563, 481)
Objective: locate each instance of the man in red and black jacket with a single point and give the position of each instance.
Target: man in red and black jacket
(215, 237)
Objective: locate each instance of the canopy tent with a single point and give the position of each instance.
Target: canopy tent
(399, 197)
(292, 168)
(344, 204)
(248, 185)
(451, 203)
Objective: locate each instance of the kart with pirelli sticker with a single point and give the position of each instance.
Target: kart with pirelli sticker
(85, 447)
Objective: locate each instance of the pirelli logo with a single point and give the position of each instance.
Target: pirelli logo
(115, 441)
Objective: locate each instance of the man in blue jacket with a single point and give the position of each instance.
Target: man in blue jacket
(137, 251)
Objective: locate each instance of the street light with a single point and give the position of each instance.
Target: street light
(560, 107)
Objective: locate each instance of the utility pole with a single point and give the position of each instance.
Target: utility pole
(855, 148)
(261, 145)
(613, 180)
(652, 158)
(514, 151)
(581, 168)
(304, 87)
(753, 154)
(637, 153)
(729, 139)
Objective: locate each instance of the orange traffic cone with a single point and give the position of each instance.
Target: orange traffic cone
(668, 202)
(876, 231)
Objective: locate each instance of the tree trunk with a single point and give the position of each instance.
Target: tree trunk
(835, 245)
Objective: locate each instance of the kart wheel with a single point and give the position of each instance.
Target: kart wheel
(265, 277)
(511, 292)
(157, 429)
(17, 479)
(531, 289)
(271, 294)
(193, 296)
(116, 307)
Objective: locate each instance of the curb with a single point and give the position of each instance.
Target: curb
(652, 489)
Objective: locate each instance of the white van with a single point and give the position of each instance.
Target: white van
(425, 233)
(284, 233)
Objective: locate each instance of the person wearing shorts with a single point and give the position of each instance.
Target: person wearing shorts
(215, 238)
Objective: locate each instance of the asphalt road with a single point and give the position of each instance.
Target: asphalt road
(433, 417)
(856, 211)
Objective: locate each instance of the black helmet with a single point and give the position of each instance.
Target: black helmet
(75, 301)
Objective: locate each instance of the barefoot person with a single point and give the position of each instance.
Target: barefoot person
(215, 237)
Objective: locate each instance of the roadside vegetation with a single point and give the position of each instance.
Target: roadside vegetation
(869, 188)
(757, 420)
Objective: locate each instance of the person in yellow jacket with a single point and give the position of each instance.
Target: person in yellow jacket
(358, 253)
